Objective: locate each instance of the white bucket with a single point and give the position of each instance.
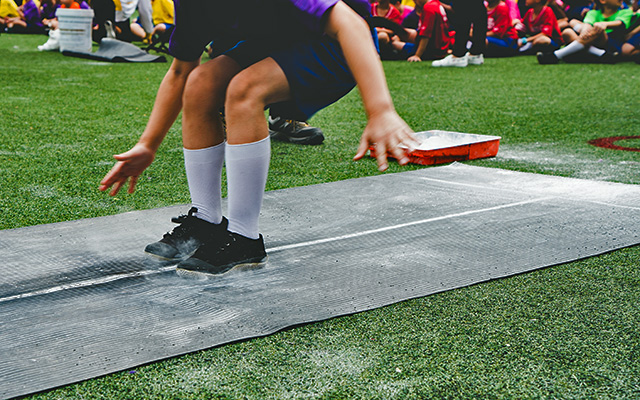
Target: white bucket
(75, 29)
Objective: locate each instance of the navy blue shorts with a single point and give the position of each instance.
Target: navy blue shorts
(614, 44)
(316, 70)
(635, 40)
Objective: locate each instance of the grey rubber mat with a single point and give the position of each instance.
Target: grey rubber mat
(114, 50)
(79, 300)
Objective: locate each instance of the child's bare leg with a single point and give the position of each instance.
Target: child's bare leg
(248, 146)
(569, 35)
(629, 50)
(203, 136)
(541, 41)
(248, 94)
(202, 99)
(138, 31)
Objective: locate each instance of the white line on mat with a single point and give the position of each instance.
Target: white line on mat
(404, 225)
(117, 277)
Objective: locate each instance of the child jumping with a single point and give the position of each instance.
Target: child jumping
(303, 55)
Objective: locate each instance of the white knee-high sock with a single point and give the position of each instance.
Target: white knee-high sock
(204, 174)
(247, 170)
(596, 51)
(571, 48)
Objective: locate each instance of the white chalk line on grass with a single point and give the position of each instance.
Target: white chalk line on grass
(137, 274)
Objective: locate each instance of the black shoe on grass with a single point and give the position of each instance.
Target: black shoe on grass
(609, 57)
(217, 257)
(298, 132)
(547, 58)
(185, 238)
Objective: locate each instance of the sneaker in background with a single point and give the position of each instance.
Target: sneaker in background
(475, 59)
(547, 58)
(298, 132)
(53, 43)
(451, 61)
(185, 238)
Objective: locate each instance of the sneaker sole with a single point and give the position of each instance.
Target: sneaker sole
(169, 259)
(187, 273)
(310, 140)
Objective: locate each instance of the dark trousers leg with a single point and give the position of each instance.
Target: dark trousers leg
(467, 13)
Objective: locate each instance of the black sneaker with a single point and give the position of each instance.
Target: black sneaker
(609, 57)
(298, 132)
(219, 257)
(547, 58)
(185, 239)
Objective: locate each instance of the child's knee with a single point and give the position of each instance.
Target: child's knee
(244, 91)
(542, 41)
(202, 88)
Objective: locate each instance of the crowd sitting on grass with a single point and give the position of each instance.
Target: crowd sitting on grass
(112, 18)
(605, 31)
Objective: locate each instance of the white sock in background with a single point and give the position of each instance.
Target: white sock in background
(596, 51)
(204, 174)
(247, 170)
(571, 48)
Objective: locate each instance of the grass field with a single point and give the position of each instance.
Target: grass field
(567, 332)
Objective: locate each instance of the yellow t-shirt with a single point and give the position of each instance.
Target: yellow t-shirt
(162, 11)
(409, 3)
(8, 9)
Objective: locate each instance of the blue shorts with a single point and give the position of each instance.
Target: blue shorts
(635, 40)
(316, 70)
(501, 47)
(614, 44)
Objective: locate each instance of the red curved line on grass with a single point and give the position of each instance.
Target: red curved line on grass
(609, 143)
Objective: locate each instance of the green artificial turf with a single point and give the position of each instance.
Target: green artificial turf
(570, 331)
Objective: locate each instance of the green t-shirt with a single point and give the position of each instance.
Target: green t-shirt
(594, 16)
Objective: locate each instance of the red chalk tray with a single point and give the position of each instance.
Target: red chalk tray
(441, 147)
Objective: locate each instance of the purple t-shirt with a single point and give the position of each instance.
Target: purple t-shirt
(31, 13)
(274, 22)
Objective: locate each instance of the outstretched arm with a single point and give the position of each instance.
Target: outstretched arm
(385, 129)
(166, 108)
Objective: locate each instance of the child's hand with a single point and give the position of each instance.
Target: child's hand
(129, 167)
(387, 132)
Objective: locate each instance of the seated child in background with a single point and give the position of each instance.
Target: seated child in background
(539, 30)
(601, 34)
(384, 9)
(48, 11)
(502, 38)
(432, 39)
(403, 9)
(29, 19)
(8, 9)
(631, 47)
(514, 12)
(162, 16)
(577, 9)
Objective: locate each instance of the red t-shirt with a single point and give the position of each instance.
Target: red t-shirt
(434, 25)
(545, 23)
(393, 14)
(499, 22)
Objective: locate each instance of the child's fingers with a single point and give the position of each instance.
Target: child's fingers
(362, 149)
(132, 184)
(116, 188)
(381, 157)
